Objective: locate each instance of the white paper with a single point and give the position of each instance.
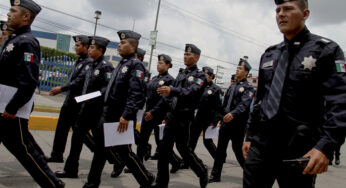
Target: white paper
(211, 133)
(88, 96)
(114, 138)
(6, 94)
(140, 116)
(162, 128)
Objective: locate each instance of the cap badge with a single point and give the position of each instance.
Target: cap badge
(189, 49)
(93, 42)
(162, 58)
(122, 36)
(77, 39)
(16, 2)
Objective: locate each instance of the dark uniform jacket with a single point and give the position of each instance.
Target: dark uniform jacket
(127, 92)
(241, 101)
(314, 92)
(187, 89)
(210, 104)
(19, 66)
(77, 78)
(154, 100)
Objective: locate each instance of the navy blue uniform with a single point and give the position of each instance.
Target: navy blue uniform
(185, 92)
(312, 107)
(97, 77)
(234, 130)
(70, 109)
(124, 97)
(19, 68)
(209, 106)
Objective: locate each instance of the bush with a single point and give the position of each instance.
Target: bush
(51, 52)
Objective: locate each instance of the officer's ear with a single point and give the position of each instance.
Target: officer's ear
(306, 14)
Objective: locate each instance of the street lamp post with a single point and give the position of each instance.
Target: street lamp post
(97, 17)
(155, 33)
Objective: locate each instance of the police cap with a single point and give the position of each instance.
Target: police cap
(140, 52)
(246, 63)
(165, 58)
(279, 2)
(99, 41)
(192, 48)
(128, 34)
(28, 4)
(4, 25)
(81, 38)
(208, 70)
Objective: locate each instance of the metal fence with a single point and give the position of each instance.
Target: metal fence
(54, 71)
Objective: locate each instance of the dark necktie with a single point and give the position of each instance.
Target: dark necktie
(109, 86)
(275, 92)
(87, 79)
(229, 102)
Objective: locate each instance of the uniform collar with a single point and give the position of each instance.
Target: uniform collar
(23, 29)
(299, 38)
(194, 67)
(128, 57)
(83, 56)
(164, 74)
(99, 59)
(210, 83)
(242, 81)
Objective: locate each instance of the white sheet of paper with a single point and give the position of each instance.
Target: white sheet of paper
(6, 94)
(88, 96)
(162, 128)
(140, 116)
(211, 133)
(114, 138)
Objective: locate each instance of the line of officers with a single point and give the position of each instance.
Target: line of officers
(187, 105)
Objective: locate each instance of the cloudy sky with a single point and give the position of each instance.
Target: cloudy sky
(224, 30)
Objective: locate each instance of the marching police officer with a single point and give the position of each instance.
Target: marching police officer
(124, 96)
(70, 109)
(185, 92)
(19, 69)
(5, 31)
(209, 106)
(299, 107)
(236, 107)
(98, 73)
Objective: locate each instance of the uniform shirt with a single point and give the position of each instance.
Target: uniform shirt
(187, 89)
(241, 101)
(210, 103)
(19, 66)
(75, 84)
(127, 92)
(314, 92)
(153, 98)
(97, 77)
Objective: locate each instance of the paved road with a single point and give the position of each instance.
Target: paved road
(13, 175)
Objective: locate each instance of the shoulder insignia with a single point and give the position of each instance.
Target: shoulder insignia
(326, 41)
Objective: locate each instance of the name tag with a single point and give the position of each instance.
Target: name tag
(268, 64)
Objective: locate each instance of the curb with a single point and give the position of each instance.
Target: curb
(47, 109)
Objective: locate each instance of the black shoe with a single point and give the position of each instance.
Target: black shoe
(148, 152)
(151, 181)
(116, 172)
(54, 159)
(184, 166)
(90, 185)
(126, 171)
(330, 162)
(174, 168)
(337, 161)
(155, 156)
(214, 178)
(63, 174)
(60, 184)
(203, 180)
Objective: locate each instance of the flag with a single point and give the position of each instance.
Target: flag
(28, 57)
(139, 74)
(251, 94)
(199, 82)
(340, 66)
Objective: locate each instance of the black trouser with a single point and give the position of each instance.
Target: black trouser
(67, 118)
(197, 127)
(125, 153)
(177, 130)
(262, 169)
(234, 132)
(87, 120)
(14, 135)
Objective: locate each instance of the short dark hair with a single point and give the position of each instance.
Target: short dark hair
(101, 47)
(303, 4)
(32, 15)
(133, 41)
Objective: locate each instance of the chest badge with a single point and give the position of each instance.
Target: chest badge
(124, 69)
(191, 78)
(161, 82)
(309, 63)
(241, 90)
(210, 92)
(97, 72)
(10, 47)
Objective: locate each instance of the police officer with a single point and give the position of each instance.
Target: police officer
(97, 76)
(124, 96)
(209, 106)
(185, 92)
(70, 109)
(236, 107)
(19, 68)
(5, 32)
(299, 107)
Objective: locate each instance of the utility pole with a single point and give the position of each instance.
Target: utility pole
(97, 17)
(153, 36)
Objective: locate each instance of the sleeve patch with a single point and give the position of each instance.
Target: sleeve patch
(28, 57)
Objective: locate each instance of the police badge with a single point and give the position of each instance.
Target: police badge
(161, 82)
(210, 92)
(124, 69)
(191, 78)
(122, 35)
(189, 49)
(77, 39)
(97, 72)
(241, 89)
